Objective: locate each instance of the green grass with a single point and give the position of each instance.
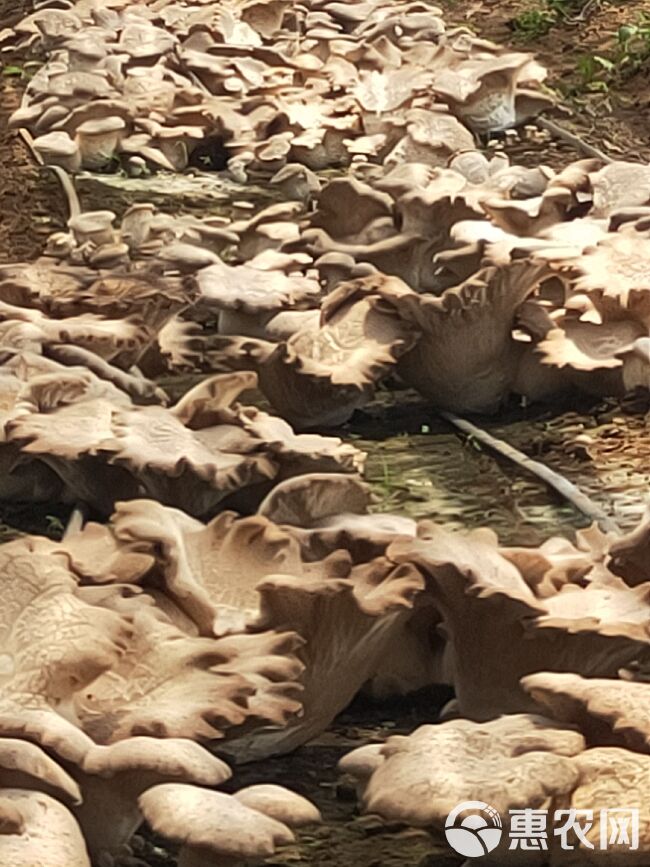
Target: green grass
(535, 23)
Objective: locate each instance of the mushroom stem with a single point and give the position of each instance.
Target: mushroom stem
(555, 480)
(76, 521)
(67, 185)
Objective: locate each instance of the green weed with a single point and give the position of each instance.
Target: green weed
(535, 23)
(629, 55)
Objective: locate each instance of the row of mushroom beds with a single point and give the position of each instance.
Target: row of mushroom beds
(237, 590)
(130, 643)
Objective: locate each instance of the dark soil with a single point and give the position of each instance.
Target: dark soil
(31, 202)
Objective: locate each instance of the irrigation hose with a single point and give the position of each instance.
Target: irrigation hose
(553, 479)
(572, 139)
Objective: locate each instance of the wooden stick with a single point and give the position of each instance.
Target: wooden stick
(558, 482)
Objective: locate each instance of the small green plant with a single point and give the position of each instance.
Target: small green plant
(594, 73)
(13, 71)
(632, 46)
(24, 71)
(631, 52)
(54, 525)
(533, 23)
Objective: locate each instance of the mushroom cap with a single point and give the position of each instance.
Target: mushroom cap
(280, 804)
(92, 221)
(218, 824)
(101, 125)
(24, 765)
(608, 711)
(56, 144)
(163, 759)
(510, 762)
(49, 834)
(306, 500)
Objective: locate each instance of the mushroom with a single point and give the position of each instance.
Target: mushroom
(338, 375)
(98, 140)
(348, 623)
(26, 766)
(296, 182)
(114, 777)
(619, 185)
(593, 631)
(214, 830)
(509, 763)
(608, 712)
(57, 148)
(628, 555)
(202, 566)
(93, 226)
(347, 209)
(280, 804)
(43, 832)
(38, 671)
(457, 371)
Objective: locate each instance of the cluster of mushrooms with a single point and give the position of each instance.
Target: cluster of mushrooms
(237, 589)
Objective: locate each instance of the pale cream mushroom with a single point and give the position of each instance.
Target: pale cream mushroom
(93, 226)
(112, 778)
(512, 762)
(44, 832)
(57, 148)
(280, 804)
(24, 765)
(98, 140)
(213, 829)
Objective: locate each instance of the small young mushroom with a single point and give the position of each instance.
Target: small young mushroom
(296, 182)
(93, 226)
(113, 777)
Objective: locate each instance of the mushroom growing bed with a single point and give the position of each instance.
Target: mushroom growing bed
(261, 602)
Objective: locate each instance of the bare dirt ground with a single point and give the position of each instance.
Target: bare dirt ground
(31, 203)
